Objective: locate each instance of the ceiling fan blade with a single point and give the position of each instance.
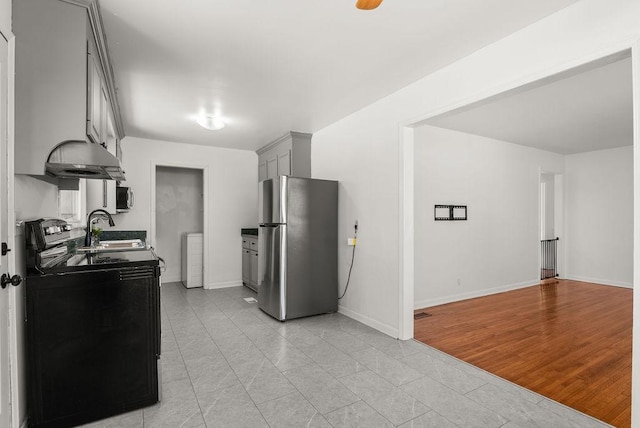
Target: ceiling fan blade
(368, 4)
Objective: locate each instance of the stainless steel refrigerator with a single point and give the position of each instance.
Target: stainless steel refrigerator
(299, 231)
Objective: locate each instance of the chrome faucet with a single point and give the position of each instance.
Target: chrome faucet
(100, 212)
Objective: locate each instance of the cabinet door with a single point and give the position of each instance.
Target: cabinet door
(110, 137)
(101, 194)
(104, 106)
(254, 267)
(272, 168)
(262, 171)
(246, 266)
(284, 163)
(94, 100)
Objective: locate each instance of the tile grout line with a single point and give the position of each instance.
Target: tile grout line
(182, 356)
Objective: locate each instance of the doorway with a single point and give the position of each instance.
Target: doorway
(551, 219)
(179, 208)
(440, 116)
(547, 191)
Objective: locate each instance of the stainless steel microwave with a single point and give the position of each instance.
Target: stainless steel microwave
(124, 199)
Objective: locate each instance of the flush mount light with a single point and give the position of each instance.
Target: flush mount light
(210, 121)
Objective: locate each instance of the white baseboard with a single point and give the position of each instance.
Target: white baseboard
(427, 303)
(600, 281)
(384, 328)
(171, 278)
(223, 284)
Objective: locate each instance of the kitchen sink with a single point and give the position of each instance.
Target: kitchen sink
(120, 245)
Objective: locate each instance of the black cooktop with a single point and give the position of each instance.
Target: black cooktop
(104, 260)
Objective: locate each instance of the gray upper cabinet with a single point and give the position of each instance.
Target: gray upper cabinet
(262, 170)
(64, 86)
(102, 193)
(272, 167)
(96, 98)
(288, 155)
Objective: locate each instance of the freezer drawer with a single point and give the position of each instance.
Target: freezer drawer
(272, 291)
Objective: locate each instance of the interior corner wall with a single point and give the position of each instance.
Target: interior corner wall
(362, 150)
(549, 213)
(232, 197)
(179, 210)
(497, 248)
(35, 198)
(599, 216)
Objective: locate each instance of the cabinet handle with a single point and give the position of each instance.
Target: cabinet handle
(104, 193)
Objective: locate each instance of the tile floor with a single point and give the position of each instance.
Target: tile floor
(227, 364)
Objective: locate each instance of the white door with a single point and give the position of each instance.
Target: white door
(5, 382)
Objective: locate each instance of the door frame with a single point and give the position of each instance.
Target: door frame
(406, 196)
(558, 218)
(205, 202)
(17, 371)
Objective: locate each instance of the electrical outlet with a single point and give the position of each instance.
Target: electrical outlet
(351, 242)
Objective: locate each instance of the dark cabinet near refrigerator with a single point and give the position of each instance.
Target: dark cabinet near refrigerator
(93, 340)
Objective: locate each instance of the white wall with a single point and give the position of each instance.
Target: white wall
(179, 209)
(232, 197)
(548, 212)
(35, 198)
(599, 216)
(497, 248)
(5, 17)
(363, 149)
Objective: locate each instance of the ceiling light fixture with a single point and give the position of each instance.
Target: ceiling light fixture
(368, 4)
(210, 121)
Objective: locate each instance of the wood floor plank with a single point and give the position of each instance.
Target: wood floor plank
(569, 341)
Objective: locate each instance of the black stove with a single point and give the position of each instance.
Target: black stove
(92, 327)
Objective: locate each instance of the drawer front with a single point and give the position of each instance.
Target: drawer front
(246, 244)
(250, 243)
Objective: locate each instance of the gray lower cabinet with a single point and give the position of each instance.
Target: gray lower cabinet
(250, 261)
(254, 268)
(246, 266)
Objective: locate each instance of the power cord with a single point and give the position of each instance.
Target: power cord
(353, 254)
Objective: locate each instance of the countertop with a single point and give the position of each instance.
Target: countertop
(104, 260)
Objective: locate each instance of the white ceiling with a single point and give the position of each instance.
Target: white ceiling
(585, 110)
(274, 66)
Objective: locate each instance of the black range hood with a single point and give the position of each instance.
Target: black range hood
(79, 159)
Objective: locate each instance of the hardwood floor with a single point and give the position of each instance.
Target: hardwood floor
(569, 341)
